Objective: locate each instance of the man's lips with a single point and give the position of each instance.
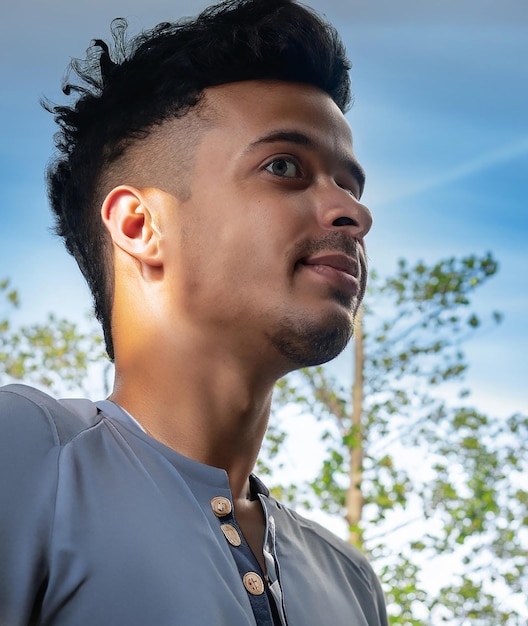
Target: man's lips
(340, 262)
(339, 269)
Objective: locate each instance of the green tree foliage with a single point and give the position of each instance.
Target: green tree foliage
(416, 477)
(55, 355)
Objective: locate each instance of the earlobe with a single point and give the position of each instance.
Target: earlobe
(128, 217)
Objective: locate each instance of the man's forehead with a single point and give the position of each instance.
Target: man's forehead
(269, 105)
(264, 90)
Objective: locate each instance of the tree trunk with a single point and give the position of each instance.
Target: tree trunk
(354, 500)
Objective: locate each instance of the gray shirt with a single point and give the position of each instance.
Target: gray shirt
(101, 525)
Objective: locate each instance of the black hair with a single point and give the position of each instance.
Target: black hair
(126, 89)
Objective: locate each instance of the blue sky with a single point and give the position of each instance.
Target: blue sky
(440, 124)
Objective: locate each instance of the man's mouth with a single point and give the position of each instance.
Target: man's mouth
(341, 271)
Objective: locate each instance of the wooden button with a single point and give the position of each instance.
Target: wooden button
(221, 506)
(253, 583)
(231, 534)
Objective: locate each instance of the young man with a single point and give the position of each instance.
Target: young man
(207, 187)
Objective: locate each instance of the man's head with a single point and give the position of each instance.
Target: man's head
(149, 95)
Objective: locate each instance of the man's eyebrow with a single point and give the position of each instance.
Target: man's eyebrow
(291, 136)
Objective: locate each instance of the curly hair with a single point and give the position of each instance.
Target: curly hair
(121, 92)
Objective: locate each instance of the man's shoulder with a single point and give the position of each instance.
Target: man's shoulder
(319, 535)
(315, 557)
(321, 545)
(26, 412)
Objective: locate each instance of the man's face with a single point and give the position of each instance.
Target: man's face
(267, 248)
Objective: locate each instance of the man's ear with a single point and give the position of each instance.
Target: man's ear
(130, 220)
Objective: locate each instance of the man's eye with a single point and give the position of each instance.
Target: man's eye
(284, 168)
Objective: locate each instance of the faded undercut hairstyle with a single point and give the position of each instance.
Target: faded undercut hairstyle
(124, 90)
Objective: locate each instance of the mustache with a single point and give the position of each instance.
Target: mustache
(334, 240)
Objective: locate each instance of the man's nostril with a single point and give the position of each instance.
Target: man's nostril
(344, 221)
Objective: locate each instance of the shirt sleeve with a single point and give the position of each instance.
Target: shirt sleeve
(29, 450)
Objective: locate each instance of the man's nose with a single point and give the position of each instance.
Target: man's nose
(339, 209)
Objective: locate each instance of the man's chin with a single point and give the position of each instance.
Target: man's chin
(306, 343)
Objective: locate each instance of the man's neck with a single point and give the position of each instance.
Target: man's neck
(211, 410)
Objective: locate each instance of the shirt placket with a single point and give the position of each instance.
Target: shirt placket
(253, 578)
